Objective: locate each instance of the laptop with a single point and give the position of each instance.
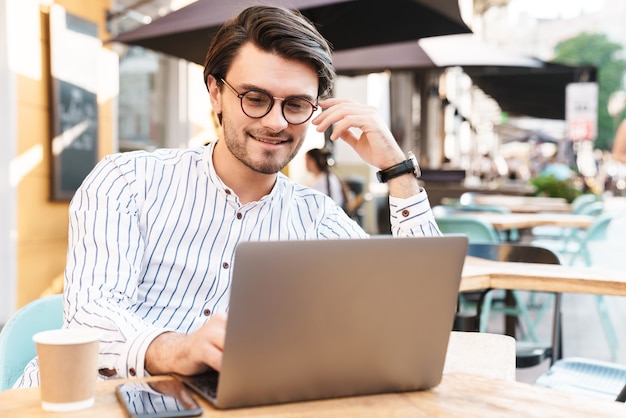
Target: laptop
(323, 319)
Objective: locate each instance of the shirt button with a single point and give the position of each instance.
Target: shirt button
(239, 215)
(225, 265)
(132, 371)
(405, 213)
(227, 191)
(207, 312)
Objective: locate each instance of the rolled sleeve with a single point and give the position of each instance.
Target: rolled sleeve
(412, 216)
(133, 358)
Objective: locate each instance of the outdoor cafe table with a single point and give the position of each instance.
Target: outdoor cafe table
(524, 204)
(460, 393)
(508, 221)
(481, 274)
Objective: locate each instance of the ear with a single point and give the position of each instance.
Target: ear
(215, 94)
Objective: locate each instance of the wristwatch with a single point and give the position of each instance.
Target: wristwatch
(405, 167)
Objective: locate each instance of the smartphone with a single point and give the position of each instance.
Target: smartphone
(158, 399)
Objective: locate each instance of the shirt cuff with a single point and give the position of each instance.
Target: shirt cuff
(134, 363)
(412, 216)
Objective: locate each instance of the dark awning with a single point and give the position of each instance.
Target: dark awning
(187, 32)
(535, 92)
(432, 52)
(521, 85)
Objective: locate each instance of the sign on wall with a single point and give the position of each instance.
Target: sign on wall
(74, 52)
(581, 111)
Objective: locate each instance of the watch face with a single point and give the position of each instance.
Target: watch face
(416, 167)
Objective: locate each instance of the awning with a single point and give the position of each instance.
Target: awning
(187, 32)
(521, 85)
(535, 92)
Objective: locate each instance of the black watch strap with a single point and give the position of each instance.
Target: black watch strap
(405, 167)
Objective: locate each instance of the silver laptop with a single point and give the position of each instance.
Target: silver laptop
(323, 319)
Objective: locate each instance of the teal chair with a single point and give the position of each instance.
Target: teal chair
(16, 337)
(476, 230)
(528, 353)
(597, 232)
(577, 247)
(585, 204)
(481, 232)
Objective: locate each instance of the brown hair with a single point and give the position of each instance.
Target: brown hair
(320, 157)
(273, 29)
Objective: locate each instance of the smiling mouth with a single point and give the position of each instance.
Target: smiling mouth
(272, 141)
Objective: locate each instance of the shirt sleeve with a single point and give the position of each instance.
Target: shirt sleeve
(105, 252)
(412, 217)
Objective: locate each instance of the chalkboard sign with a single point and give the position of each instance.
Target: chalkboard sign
(75, 47)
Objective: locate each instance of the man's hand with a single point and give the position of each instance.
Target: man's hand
(375, 145)
(188, 354)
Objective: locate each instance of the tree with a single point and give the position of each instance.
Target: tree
(596, 49)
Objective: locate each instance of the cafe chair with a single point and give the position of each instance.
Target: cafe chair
(562, 239)
(16, 344)
(588, 377)
(484, 303)
(467, 203)
(580, 205)
(533, 352)
(578, 251)
(476, 230)
(598, 232)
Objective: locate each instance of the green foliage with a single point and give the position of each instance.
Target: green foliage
(550, 186)
(596, 49)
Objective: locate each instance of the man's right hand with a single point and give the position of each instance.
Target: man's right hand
(190, 354)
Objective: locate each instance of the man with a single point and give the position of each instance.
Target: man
(152, 235)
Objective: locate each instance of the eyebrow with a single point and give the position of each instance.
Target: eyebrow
(249, 87)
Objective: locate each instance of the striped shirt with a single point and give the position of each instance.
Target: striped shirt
(152, 239)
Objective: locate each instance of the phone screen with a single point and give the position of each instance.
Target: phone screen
(158, 399)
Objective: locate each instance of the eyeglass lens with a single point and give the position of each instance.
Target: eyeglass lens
(257, 104)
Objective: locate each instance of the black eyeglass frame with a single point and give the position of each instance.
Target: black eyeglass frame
(284, 100)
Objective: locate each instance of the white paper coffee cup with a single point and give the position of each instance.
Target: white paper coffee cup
(68, 367)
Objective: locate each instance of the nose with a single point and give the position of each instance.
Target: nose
(275, 120)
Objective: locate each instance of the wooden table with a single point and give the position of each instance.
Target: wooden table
(480, 274)
(524, 204)
(474, 394)
(458, 395)
(508, 221)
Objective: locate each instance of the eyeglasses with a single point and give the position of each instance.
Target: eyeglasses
(256, 104)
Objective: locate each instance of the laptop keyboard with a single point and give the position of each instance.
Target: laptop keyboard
(204, 384)
(585, 376)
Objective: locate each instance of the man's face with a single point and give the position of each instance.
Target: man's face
(267, 144)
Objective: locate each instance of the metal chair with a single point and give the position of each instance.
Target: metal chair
(534, 352)
(16, 344)
(484, 303)
(476, 230)
(578, 248)
(586, 376)
(559, 238)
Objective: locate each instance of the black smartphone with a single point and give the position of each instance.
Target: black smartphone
(158, 399)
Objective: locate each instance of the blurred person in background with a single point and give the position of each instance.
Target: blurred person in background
(619, 143)
(318, 163)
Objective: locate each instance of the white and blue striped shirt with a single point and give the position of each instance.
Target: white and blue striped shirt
(152, 238)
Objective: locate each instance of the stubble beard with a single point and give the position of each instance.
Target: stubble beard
(268, 163)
